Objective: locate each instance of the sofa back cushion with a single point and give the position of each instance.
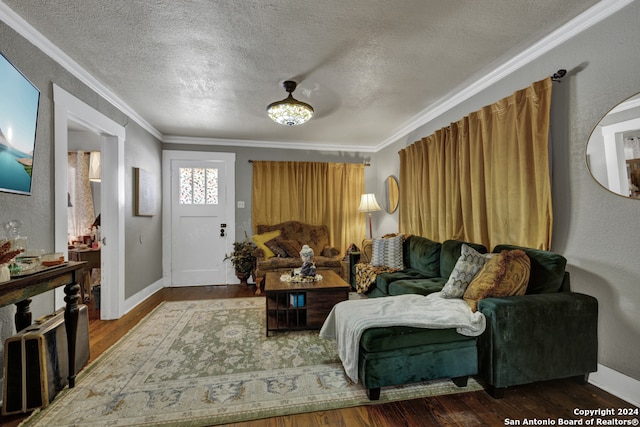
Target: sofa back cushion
(316, 236)
(547, 269)
(450, 253)
(423, 255)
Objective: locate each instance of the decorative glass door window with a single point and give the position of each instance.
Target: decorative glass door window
(198, 186)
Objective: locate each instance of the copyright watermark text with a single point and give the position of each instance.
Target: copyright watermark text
(585, 417)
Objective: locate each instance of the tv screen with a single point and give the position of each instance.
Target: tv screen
(19, 100)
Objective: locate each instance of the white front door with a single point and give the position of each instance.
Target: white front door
(202, 217)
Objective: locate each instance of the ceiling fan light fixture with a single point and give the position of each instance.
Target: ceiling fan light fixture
(290, 111)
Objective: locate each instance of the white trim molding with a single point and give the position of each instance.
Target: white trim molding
(137, 299)
(580, 23)
(23, 28)
(616, 383)
(185, 140)
(590, 17)
(68, 108)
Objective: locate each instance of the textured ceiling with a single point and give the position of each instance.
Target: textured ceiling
(209, 68)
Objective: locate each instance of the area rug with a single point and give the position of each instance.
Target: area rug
(202, 363)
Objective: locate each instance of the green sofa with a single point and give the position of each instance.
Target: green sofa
(546, 334)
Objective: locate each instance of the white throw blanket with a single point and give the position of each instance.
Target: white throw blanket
(349, 319)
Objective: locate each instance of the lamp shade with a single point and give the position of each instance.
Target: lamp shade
(368, 203)
(95, 169)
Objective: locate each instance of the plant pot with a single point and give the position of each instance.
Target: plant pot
(243, 277)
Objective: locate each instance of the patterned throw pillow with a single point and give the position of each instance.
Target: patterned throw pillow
(292, 247)
(276, 248)
(466, 268)
(505, 274)
(387, 252)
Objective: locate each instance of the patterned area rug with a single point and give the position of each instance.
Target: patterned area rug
(201, 363)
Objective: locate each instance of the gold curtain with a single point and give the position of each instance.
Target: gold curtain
(485, 178)
(310, 192)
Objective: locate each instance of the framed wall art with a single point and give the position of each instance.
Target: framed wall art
(19, 100)
(145, 195)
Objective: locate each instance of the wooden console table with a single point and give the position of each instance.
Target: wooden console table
(19, 291)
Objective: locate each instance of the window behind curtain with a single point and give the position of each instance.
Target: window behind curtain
(313, 193)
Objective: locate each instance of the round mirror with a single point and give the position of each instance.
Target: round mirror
(613, 150)
(391, 197)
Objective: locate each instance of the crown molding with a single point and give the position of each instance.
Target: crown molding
(590, 17)
(580, 23)
(23, 28)
(175, 139)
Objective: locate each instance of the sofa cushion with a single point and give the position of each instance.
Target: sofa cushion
(384, 279)
(504, 274)
(261, 239)
(466, 268)
(450, 253)
(387, 252)
(400, 337)
(423, 255)
(416, 286)
(547, 269)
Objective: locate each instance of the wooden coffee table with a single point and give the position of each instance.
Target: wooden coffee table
(302, 305)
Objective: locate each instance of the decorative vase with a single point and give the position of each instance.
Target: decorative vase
(243, 277)
(5, 274)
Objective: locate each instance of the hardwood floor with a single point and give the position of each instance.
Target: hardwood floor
(552, 400)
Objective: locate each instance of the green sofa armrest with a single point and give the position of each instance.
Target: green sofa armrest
(538, 337)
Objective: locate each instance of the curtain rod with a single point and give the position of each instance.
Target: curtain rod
(366, 163)
(558, 75)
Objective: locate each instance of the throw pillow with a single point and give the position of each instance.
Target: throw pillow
(292, 247)
(505, 274)
(275, 247)
(261, 239)
(466, 268)
(387, 252)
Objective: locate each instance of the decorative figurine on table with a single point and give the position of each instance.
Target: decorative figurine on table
(308, 267)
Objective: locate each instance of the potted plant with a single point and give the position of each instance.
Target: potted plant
(243, 259)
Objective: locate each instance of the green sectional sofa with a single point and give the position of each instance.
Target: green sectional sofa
(548, 333)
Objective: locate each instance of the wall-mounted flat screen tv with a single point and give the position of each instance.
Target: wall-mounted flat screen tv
(19, 100)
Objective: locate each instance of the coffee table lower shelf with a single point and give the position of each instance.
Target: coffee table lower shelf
(300, 308)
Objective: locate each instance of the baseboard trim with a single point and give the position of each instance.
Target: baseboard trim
(616, 383)
(137, 299)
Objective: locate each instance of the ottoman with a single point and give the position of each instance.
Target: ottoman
(401, 355)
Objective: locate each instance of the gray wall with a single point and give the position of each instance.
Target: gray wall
(143, 235)
(36, 211)
(596, 230)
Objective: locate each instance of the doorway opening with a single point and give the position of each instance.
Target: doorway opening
(84, 211)
(70, 113)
